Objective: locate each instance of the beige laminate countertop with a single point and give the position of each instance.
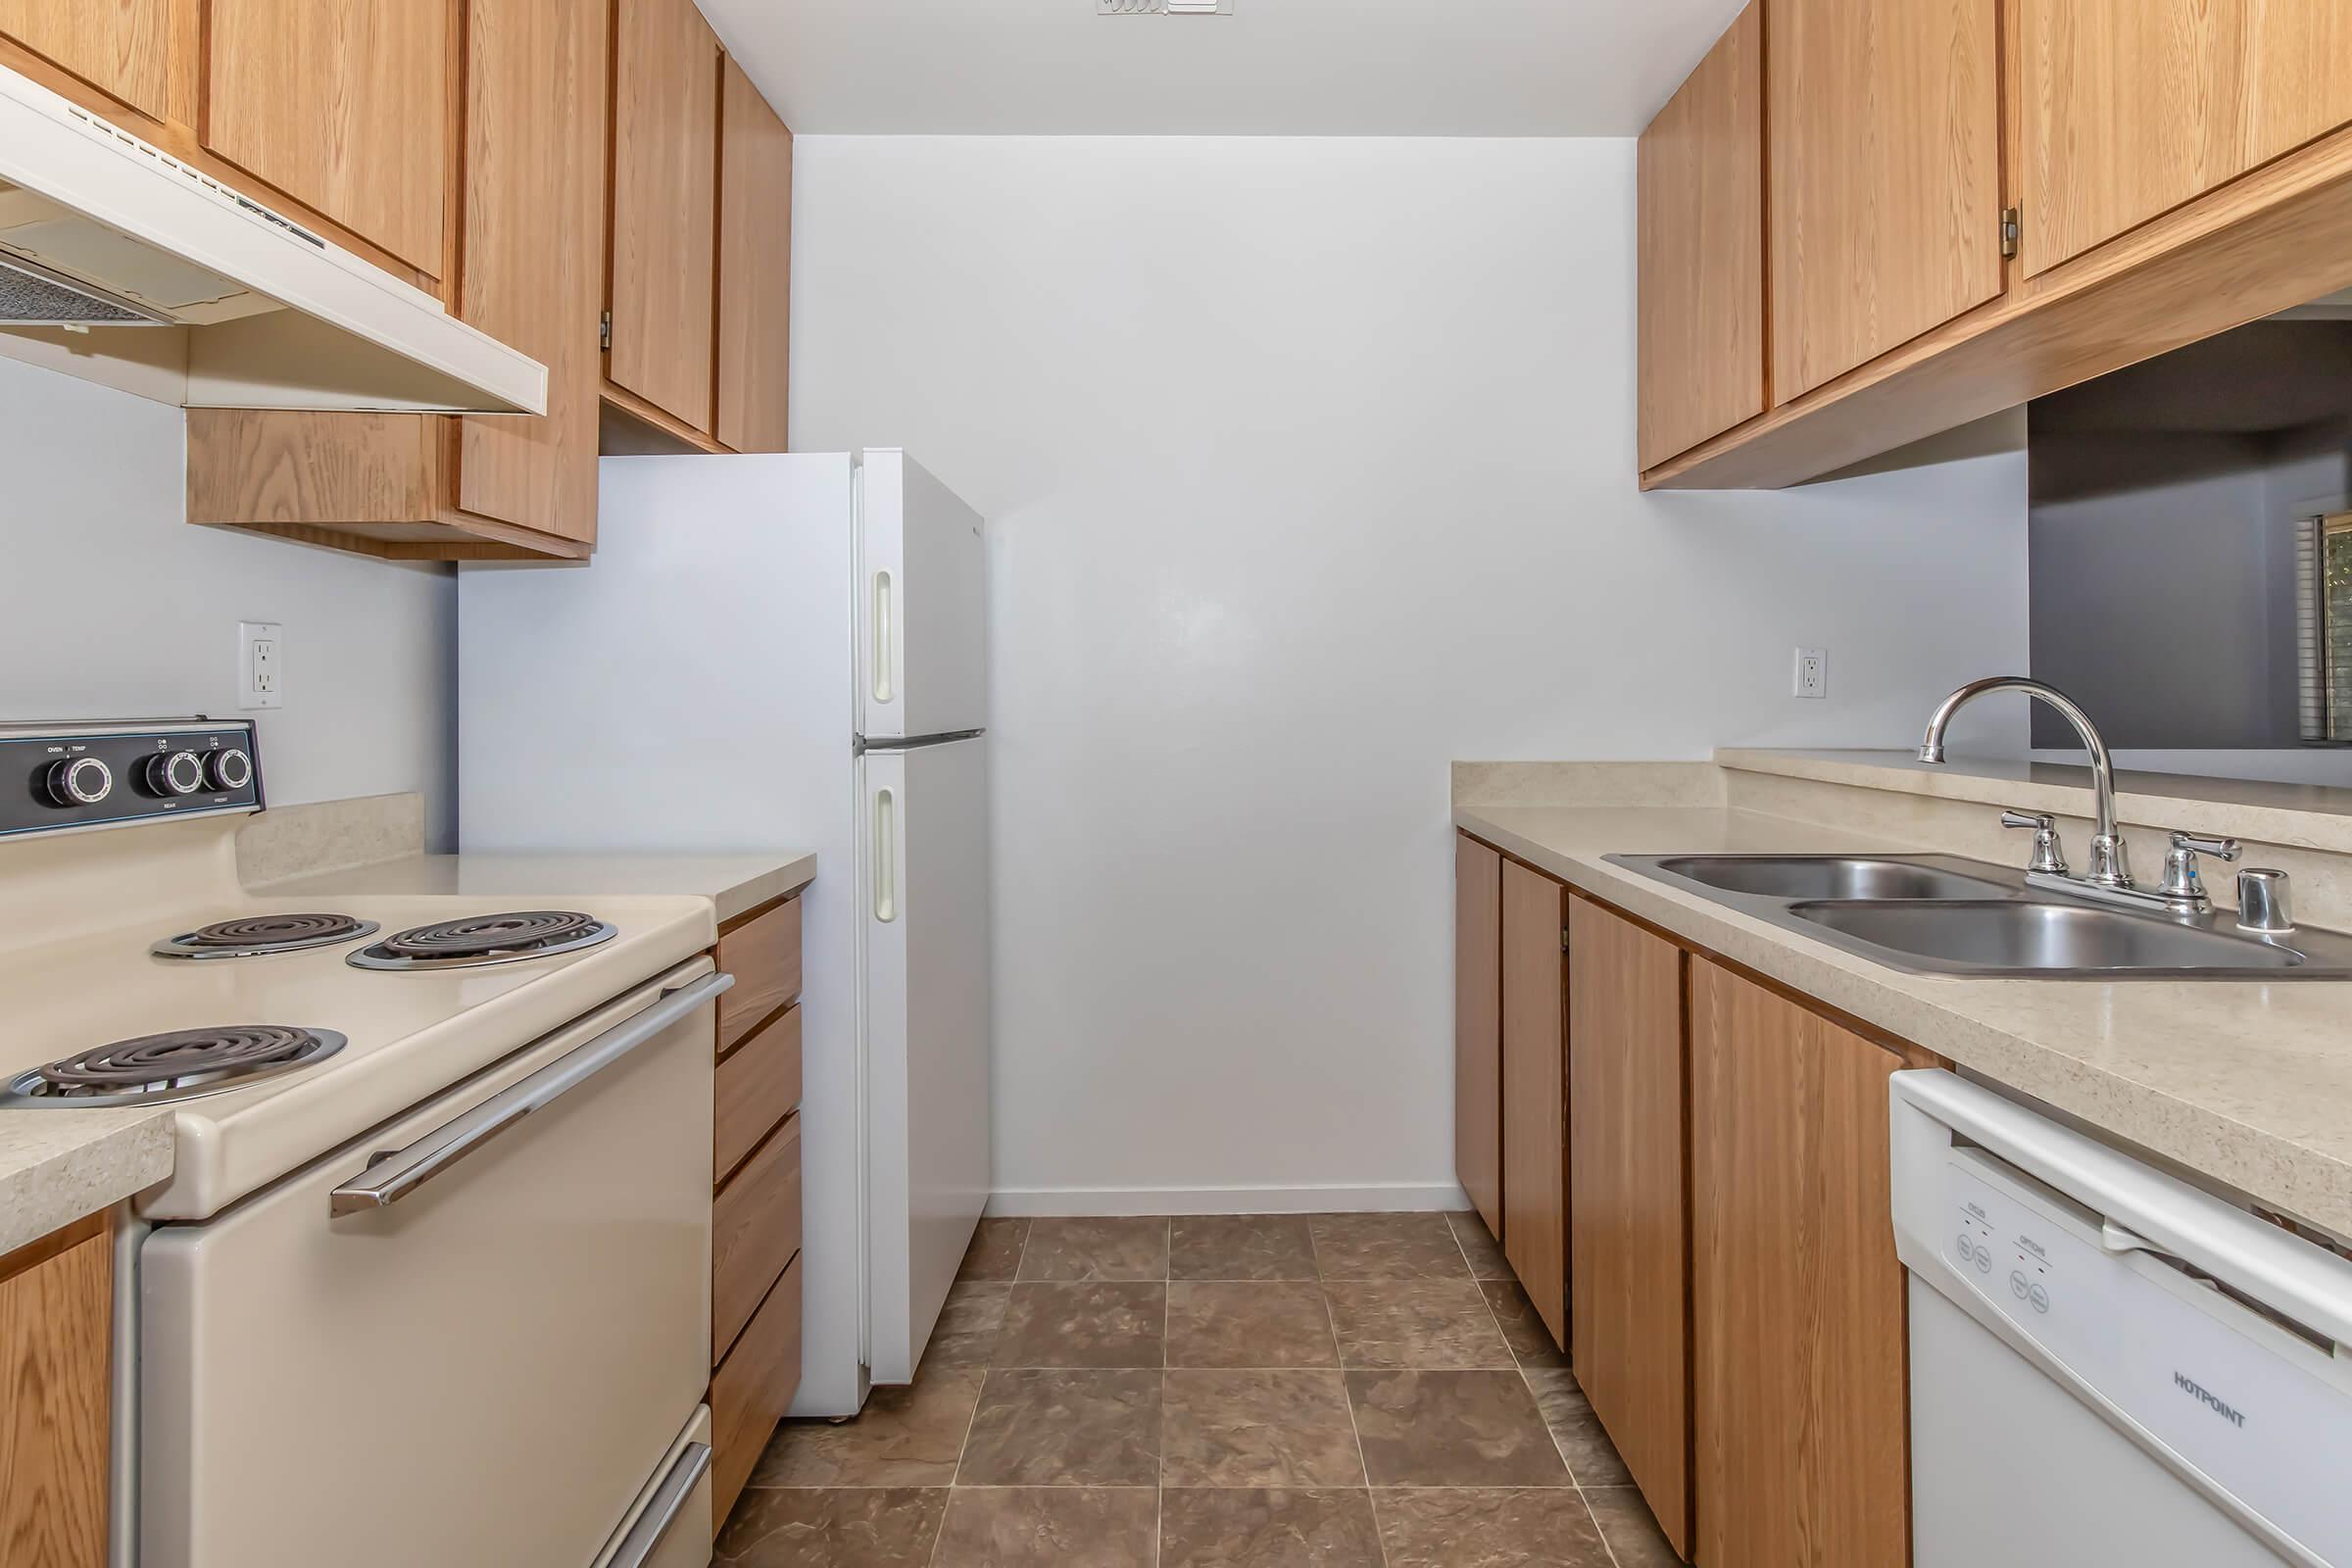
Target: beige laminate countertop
(735, 883)
(57, 1166)
(2248, 1082)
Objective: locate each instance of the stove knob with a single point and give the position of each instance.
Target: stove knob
(229, 769)
(175, 774)
(80, 781)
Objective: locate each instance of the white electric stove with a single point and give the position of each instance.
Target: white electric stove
(430, 1279)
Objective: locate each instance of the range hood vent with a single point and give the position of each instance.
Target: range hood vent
(121, 263)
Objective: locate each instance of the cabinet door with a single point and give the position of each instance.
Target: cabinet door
(755, 268)
(1478, 1027)
(665, 207)
(532, 277)
(344, 105)
(1884, 140)
(118, 46)
(1802, 1431)
(1702, 278)
(56, 1339)
(1629, 1258)
(1535, 1168)
(2129, 107)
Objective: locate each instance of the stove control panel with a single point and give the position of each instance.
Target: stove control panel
(54, 777)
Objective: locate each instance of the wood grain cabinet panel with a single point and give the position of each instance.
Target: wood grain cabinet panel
(532, 277)
(1629, 1254)
(1797, 1296)
(758, 1087)
(755, 268)
(1478, 1027)
(1535, 1167)
(754, 1232)
(750, 1390)
(346, 106)
(1884, 140)
(663, 283)
(2130, 108)
(56, 1339)
(764, 955)
(1702, 233)
(121, 47)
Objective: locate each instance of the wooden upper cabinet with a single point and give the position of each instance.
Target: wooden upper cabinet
(56, 1352)
(1535, 1167)
(663, 298)
(2130, 108)
(1883, 145)
(1629, 1221)
(1702, 236)
(533, 274)
(344, 105)
(755, 268)
(1797, 1296)
(1478, 1027)
(121, 47)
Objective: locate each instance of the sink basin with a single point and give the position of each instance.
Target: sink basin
(2011, 937)
(1829, 876)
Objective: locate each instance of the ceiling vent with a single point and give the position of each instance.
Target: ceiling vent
(1163, 8)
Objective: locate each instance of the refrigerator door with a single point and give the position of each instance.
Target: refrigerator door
(921, 605)
(923, 908)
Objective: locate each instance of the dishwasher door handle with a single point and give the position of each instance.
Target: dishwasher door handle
(393, 1174)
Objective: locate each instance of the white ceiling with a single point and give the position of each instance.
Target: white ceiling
(1300, 68)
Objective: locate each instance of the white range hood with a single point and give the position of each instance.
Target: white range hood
(123, 263)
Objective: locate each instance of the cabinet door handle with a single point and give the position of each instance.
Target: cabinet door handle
(884, 689)
(886, 856)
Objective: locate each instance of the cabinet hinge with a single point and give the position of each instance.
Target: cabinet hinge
(1563, 938)
(604, 331)
(2013, 228)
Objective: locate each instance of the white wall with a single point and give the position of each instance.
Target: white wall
(112, 606)
(1310, 466)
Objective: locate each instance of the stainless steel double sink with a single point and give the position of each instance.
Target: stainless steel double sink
(1942, 915)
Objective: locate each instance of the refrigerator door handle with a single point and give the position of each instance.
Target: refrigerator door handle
(883, 691)
(886, 856)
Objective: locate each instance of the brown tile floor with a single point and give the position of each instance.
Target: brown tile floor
(1328, 1390)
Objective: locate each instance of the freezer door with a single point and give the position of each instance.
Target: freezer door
(924, 897)
(921, 605)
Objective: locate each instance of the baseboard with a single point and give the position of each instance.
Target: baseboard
(1058, 1202)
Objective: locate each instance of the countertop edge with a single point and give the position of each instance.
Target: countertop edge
(84, 1176)
(2229, 1151)
(736, 882)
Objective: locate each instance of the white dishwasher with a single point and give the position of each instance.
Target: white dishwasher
(2109, 1365)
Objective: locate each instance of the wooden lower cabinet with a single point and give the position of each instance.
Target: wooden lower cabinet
(1535, 1167)
(1802, 1435)
(750, 1389)
(1628, 1256)
(1478, 1027)
(56, 1355)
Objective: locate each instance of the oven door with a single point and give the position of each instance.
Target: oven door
(472, 1337)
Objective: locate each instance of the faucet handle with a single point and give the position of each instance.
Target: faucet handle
(2048, 858)
(2181, 879)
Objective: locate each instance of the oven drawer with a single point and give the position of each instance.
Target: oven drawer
(764, 955)
(759, 1086)
(485, 1369)
(754, 1231)
(753, 1388)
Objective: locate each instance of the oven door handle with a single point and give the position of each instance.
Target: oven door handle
(393, 1174)
(685, 1472)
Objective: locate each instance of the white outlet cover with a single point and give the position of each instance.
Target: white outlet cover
(261, 664)
(1811, 677)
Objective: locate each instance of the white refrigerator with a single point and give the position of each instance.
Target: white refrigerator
(786, 653)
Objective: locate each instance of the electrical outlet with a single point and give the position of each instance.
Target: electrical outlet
(1812, 672)
(261, 664)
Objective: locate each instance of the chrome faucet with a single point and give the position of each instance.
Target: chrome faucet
(2109, 878)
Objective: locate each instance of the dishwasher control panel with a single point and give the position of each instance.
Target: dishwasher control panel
(2261, 1410)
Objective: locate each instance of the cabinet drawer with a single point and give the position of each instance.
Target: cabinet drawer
(752, 1389)
(759, 1086)
(764, 955)
(754, 1231)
